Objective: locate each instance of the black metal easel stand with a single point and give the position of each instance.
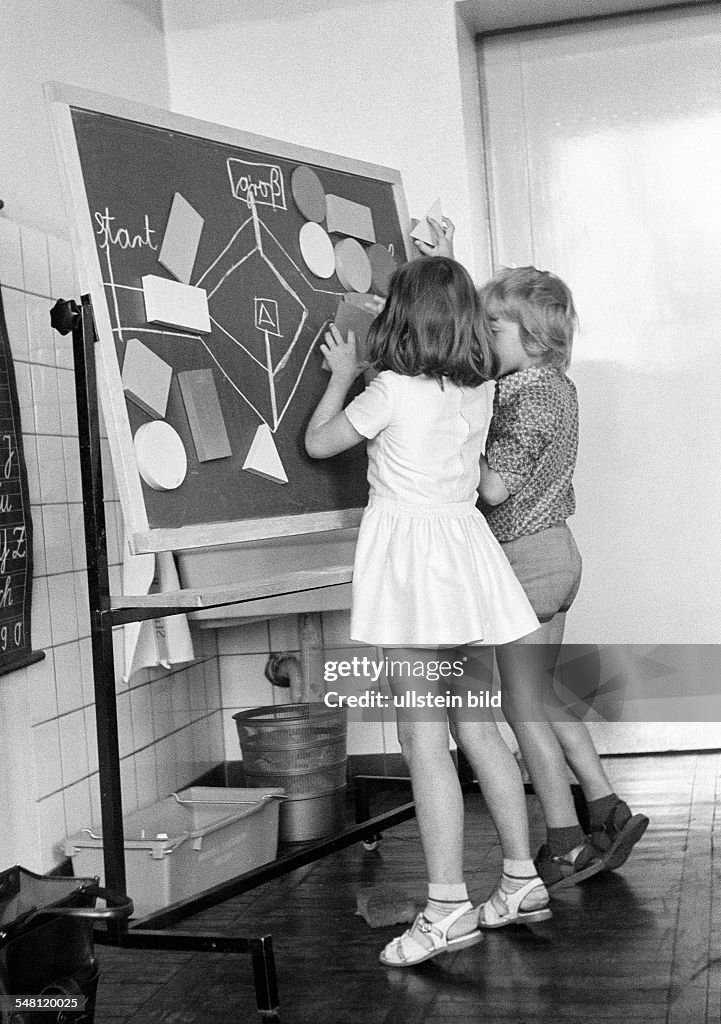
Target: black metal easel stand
(150, 933)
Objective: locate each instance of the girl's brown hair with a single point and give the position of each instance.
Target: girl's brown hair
(542, 306)
(431, 325)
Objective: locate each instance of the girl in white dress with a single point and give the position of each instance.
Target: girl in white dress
(430, 577)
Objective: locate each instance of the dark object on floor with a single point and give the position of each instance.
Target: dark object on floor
(382, 908)
(46, 943)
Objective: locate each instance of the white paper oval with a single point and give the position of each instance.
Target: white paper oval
(160, 454)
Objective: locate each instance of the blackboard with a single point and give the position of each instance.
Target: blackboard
(16, 526)
(123, 167)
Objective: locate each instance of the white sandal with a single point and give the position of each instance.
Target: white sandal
(505, 907)
(426, 939)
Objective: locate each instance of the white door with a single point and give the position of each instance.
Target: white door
(603, 149)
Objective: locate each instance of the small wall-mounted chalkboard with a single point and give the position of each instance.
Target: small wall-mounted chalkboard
(216, 260)
(16, 527)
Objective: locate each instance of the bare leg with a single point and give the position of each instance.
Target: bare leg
(572, 734)
(423, 736)
(494, 766)
(524, 669)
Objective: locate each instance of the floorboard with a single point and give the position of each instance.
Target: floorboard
(640, 946)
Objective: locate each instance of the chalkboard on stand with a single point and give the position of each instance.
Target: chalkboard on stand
(16, 527)
(216, 260)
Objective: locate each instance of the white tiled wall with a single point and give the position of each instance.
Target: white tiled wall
(170, 722)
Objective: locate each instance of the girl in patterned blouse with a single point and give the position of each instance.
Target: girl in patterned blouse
(526, 486)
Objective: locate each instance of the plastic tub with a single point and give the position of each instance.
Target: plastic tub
(188, 842)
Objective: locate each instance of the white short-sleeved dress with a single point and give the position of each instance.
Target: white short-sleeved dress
(428, 571)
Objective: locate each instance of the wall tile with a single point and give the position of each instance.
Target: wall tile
(284, 634)
(231, 742)
(91, 736)
(41, 689)
(141, 711)
(129, 785)
(243, 683)
(80, 584)
(67, 403)
(51, 465)
(71, 458)
(201, 744)
(96, 814)
(48, 766)
(77, 537)
(39, 563)
(166, 759)
(78, 806)
(364, 737)
(125, 725)
(51, 831)
(68, 677)
(41, 339)
(162, 706)
(211, 675)
(186, 767)
(45, 401)
(25, 398)
(30, 449)
(73, 747)
(16, 322)
(42, 636)
(63, 281)
(146, 771)
(336, 629)
(246, 639)
(56, 530)
(180, 697)
(36, 268)
(11, 260)
(63, 614)
(217, 740)
(86, 662)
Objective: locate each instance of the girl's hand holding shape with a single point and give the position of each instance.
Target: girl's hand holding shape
(442, 238)
(341, 354)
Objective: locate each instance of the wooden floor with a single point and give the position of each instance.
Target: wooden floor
(642, 945)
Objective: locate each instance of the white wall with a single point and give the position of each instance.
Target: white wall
(378, 81)
(170, 726)
(113, 47)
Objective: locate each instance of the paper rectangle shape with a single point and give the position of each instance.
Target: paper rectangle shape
(146, 378)
(353, 318)
(181, 239)
(174, 304)
(205, 416)
(344, 217)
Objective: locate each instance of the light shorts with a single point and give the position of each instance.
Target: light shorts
(548, 567)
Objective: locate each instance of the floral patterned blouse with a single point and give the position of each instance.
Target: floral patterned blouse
(532, 444)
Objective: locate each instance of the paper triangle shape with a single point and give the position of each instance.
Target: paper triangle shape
(422, 230)
(263, 458)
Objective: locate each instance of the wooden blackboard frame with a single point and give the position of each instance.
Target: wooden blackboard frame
(61, 100)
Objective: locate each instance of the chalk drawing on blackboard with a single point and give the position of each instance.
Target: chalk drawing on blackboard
(255, 182)
(266, 316)
(281, 337)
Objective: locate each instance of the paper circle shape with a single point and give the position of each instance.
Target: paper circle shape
(317, 249)
(352, 265)
(382, 267)
(308, 193)
(161, 458)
